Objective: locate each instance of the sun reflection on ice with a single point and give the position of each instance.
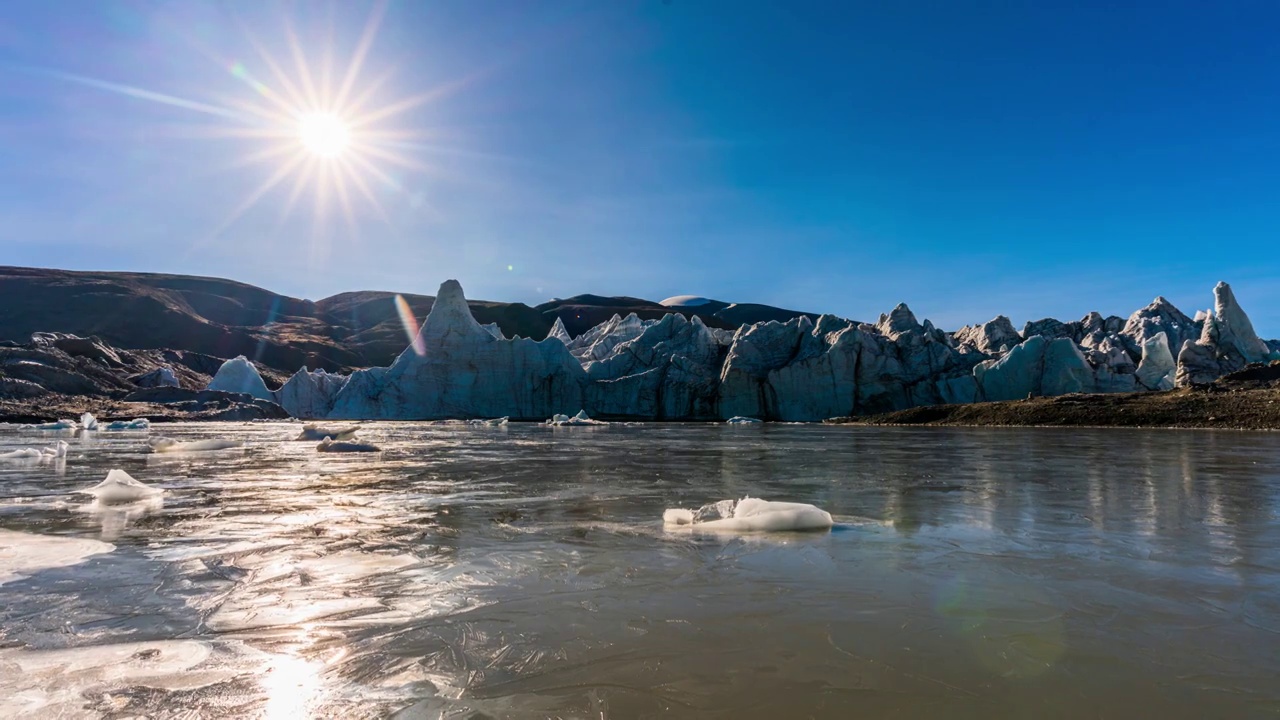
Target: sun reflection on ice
(294, 685)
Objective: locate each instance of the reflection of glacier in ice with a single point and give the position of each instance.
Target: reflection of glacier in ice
(525, 572)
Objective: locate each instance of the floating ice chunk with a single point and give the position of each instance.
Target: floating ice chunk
(120, 487)
(750, 515)
(24, 553)
(88, 421)
(332, 446)
(168, 445)
(136, 424)
(740, 420)
(57, 450)
(57, 425)
(579, 419)
(320, 432)
(495, 422)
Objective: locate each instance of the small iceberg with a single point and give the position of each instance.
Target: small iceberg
(88, 421)
(56, 425)
(120, 488)
(52, 452)
(750, 515)
(740, 420)
(495, 422)
(319, 432)
(579, 419)
(330, 445)
(137, 424)
(169, 445)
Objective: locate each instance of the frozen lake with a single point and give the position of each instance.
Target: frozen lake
(524, 572)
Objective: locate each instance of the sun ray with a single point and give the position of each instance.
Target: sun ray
(376, 172)
(393, 158)
(410, 103)
(358, 180)
(300, 181)
(257, 195)
(295, 97)
(150, 95)
(263, 155)
(355, 107)
(300, 63)
(344, 200)
(326, 59)
(371, 26)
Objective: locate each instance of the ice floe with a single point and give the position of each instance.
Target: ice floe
(579, 419)
(53, 452)
(329, 445)
(23, 553)
(135, 424)
(320, 432)
(56, 425)
(120, 488)
(495, 422)
(750, 515)
(169, 445)
(740, 420)
(88, 421)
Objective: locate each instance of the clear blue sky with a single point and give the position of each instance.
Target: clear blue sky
(970, 158)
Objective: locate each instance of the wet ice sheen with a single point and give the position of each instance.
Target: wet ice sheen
(520, 571)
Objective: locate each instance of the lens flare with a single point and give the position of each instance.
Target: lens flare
(410, 324)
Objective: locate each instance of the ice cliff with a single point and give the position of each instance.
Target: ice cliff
(676, 368)
(465, 371)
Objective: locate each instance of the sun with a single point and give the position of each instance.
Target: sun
(324, 134)
(330, 129)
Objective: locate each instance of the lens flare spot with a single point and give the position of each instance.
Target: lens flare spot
(410, 324)
(510, 268)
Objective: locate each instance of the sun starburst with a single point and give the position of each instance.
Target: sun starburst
(312, 128)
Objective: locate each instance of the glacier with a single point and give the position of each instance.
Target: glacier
(678, 368)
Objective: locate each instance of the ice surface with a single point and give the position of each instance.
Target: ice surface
(740, 420)
(58, 683)
(56, 425)
(330, 445)
(168, 445)
(750, 515)
(494, 422)
(120, 488)
(88, 421)
(320, 432)
(136, 424)
(26, 553)
(238, 375)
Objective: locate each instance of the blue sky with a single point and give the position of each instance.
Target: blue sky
(970, 158)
